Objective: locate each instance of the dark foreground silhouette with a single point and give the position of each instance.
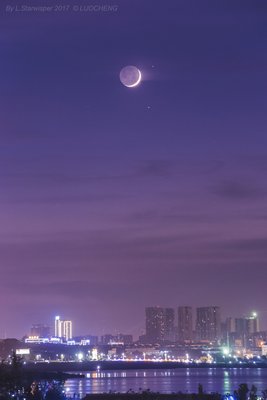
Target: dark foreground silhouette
(242, 393)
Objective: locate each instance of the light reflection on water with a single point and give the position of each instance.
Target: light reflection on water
(220, 380)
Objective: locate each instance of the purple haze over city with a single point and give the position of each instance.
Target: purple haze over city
(115, 198)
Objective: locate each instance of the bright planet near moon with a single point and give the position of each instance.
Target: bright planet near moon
(130, 76)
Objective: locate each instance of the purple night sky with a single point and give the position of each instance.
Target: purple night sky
(113, 199)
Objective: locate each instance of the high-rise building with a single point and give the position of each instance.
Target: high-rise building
(67, 330)
(63, 328)
(228, 333)
(185, 324)
(169, 332)
(246, 327)
(208, 324)
(58, 327)
(159, 324)
(154, 324)
(230, 325)
(40, 330)
(253, 323)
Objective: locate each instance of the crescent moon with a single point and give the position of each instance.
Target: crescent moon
(138, 80)
(130, 76)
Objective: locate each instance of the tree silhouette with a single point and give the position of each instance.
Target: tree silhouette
(253, 393)
(243, 391)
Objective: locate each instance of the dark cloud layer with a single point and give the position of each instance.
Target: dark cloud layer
(234, 189)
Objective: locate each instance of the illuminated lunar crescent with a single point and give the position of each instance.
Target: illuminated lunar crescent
(130, 76)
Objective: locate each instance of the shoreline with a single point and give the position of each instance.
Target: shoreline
(99, 366)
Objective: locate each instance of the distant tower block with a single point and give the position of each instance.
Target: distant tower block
(63, 328)
(208, 324)
(58, 326)
(185, 324)
(67, 330)
(159, 324)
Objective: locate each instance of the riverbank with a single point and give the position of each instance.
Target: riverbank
(130, 365)
(9, 373)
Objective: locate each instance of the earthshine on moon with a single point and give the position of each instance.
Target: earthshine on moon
(130, 76)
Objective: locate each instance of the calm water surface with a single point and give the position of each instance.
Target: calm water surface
(220, 380)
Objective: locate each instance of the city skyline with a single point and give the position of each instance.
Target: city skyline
(116, 197)
(178, 323)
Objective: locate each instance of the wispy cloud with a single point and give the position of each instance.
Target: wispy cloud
(239, 190)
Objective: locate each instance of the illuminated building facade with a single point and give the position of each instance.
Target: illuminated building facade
(208, 324)
(168, 327)
(67, 330)
(154, 324)
(63, 328)
(185, 324)
(58, 327)
(159, 324)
